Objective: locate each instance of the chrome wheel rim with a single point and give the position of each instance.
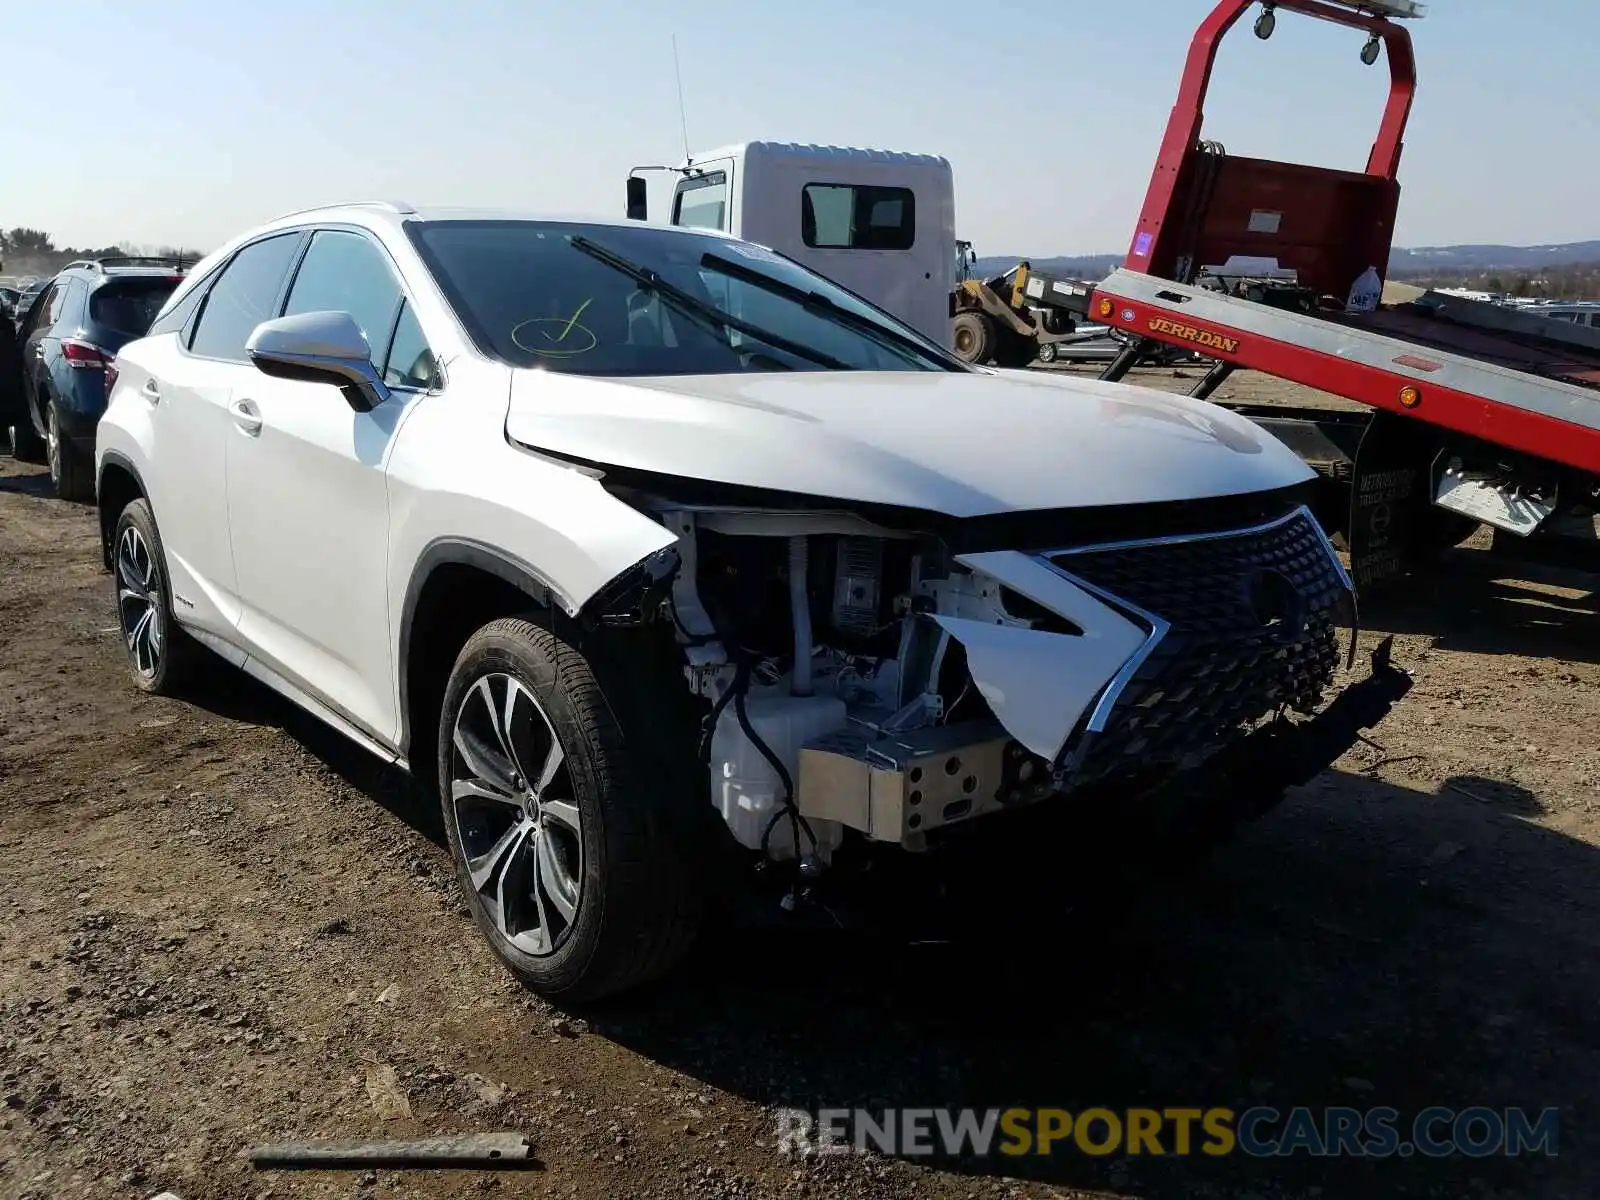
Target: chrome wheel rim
(517, 822)
(139, 601)
(52, 438)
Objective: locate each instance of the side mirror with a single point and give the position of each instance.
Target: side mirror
(638, 198)
(319, 347)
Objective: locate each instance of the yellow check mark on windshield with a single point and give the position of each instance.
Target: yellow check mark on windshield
(568, 329)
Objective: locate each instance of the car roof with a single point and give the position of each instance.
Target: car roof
(120, 269)
(395, 215)
(138, 272)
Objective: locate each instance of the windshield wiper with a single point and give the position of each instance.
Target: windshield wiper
(818, 303)
(695, 308)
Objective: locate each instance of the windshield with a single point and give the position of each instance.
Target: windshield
(531, 297)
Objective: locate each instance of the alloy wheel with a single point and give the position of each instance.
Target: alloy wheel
(139, 601)
(517, 821)
(52, 439)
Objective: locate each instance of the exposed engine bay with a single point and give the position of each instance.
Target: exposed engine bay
(863, 682)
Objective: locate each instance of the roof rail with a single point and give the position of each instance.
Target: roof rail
(103, 261)
(398, 207)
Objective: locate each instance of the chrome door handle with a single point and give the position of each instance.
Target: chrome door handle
(247, 416)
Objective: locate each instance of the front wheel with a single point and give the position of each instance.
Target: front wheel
(563, 816)
(1047, 352)
(974, 337)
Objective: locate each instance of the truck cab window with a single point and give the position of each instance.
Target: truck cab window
(702, 202)
(844, 217)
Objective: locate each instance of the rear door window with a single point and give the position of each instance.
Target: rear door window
(128, 306)
(58, 301)
(39, 313)
(60, 306)
(245, 295)
(177, 318)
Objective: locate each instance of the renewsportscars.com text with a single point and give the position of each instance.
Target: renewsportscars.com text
(1262, 1132)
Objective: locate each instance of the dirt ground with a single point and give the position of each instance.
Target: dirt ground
(222, 926)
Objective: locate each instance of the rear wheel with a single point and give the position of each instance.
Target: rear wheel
(1047, 352)
(160, 654)
(68, 470)
(974, 337)
(562, 808)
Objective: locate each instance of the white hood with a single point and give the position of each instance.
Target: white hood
(963, 445)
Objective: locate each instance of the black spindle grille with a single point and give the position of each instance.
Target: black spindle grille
(1253, 630)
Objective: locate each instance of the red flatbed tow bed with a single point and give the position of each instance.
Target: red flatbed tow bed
(1535, 396)
(1480, 413)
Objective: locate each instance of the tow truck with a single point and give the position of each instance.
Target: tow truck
(1472, 413)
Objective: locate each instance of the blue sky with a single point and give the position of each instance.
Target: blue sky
(189, 120)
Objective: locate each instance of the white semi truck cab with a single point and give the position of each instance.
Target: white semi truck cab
(878, 222)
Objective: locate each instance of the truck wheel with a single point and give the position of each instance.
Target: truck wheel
(68, 472)
(1047, 352)
(974, 337)
(562, 808)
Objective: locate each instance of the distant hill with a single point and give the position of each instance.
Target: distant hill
(1432, 259)
(1424, 260)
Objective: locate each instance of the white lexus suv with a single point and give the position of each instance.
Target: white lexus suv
(660, 558)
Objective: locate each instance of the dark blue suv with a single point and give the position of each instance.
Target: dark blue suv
(70, 335)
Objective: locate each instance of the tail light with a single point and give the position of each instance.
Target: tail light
(111, 375)
(83, 355)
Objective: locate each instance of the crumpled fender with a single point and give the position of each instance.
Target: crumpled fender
(1040, 684)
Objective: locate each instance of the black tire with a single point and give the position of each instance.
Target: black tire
(1047, 352)
(139, 574)
(620, 798)
(26, 444)
(70, 473)
(973, 338)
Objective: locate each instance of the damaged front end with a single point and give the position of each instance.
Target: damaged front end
(861, 681)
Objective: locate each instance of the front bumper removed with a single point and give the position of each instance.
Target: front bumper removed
(1010, 879)
(1249, 778)
(1241, 782)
